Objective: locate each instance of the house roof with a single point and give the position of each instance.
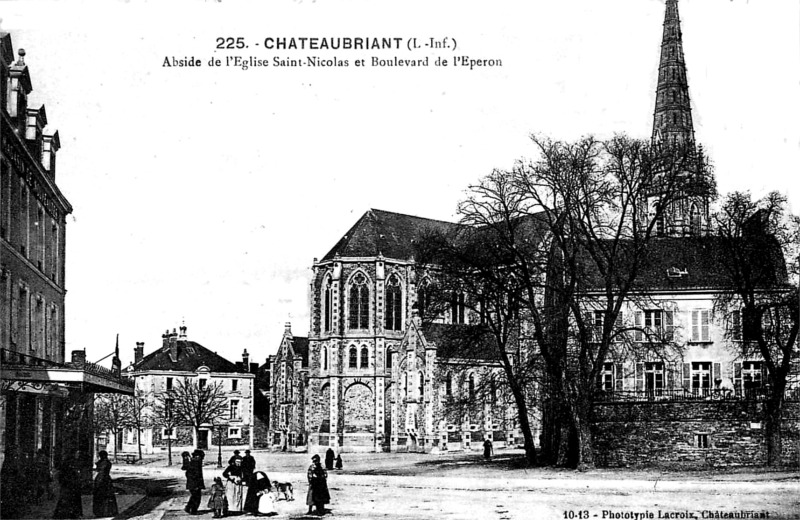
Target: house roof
(191, 356)
(461, 341)
(385, 233)
(697, 262)
(300, 346)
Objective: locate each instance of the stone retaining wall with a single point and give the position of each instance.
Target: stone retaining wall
(689, 434)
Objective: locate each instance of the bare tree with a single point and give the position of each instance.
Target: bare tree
(198, 403)
(111, 415)
(478, 266)
(137, 415)
(164, 417)
(760, 247)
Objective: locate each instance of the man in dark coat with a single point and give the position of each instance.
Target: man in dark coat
(69, 478)
(248, 467)
(194, 481)
(318, 494)
(234, 457)
(329, 458)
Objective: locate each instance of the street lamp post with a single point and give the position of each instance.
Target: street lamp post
(219, 445)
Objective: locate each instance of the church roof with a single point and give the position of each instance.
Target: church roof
(461, 341)
(191, 356)
(385, 233)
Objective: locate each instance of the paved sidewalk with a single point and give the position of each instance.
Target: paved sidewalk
(127, 496)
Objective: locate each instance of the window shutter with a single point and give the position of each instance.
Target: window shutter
(717, 372)
(736, 325)
(764, 374)
(639, 377)
(737, 378)
(618, 382)
(695, 320)
(669, 328)
(670, 376)
(687, 376)
(638, 335)
(706, 318)
(588, 322)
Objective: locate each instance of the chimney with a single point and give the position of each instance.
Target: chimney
(138, 352)
(246, 360)
(182, 335)
(18, 92)
(173, 346)
(79, 357)
(50, 145)
(165, 340)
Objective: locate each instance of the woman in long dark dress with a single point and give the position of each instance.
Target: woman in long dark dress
(259, 485)
(329, 458)
(104, 502)
(69, 479)
(318, 494)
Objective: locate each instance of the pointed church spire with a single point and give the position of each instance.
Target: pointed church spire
(672, 120)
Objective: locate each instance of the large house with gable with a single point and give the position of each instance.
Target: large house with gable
(179, 359)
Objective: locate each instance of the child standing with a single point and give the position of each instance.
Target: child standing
(217, 500)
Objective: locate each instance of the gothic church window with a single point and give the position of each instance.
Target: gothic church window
(694, 221)
(328, 305)
(364, 357)
(421, 385)
(359, 303)
(394, 307)
(423, 297)
(324, 358)
(457, 308)
(353, 358)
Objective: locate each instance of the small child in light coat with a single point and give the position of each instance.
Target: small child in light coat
(217, 499)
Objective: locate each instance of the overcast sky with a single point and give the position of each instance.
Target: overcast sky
(205, 194)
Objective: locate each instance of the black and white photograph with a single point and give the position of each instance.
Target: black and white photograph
(400, 260)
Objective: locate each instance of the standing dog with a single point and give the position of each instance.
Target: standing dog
(285, 488)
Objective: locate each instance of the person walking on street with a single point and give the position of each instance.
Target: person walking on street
(248, 467)
(69, 478)
(339, 461)
(104, 502)
(487, 449)
(329, 458)
(318, 494)
(194, 481)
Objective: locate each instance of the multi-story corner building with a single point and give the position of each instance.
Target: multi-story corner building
(45, 398)
(180, 360)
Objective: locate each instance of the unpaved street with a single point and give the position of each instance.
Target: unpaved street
(398, 486)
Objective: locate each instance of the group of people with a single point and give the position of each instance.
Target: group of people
(331, 459)
(104, 501)
(243, 489)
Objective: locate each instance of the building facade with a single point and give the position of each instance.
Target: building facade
(288, 383)
(181, 362)
(376, 375)
(45, 397)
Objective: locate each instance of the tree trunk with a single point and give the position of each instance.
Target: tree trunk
(772, 428)
(524, 424)
(139, 442)
(583, 431)
(169, 450)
